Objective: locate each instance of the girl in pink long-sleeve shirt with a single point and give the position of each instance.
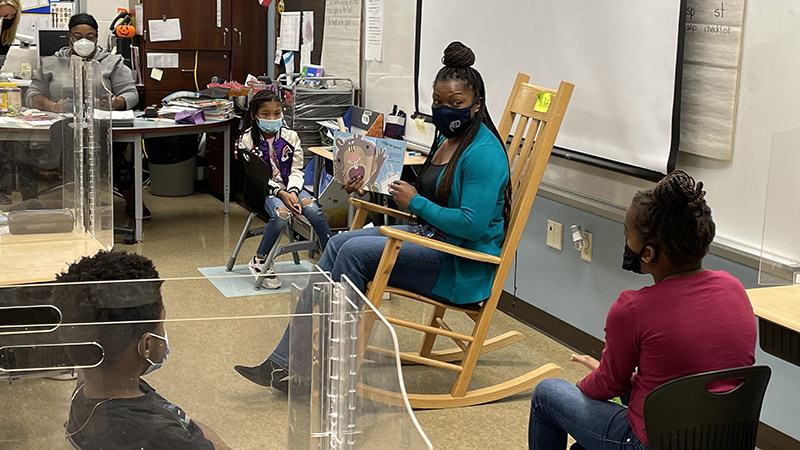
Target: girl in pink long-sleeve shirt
(691, 320)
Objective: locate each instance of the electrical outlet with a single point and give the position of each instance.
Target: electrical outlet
(586, 253)
(555, 234)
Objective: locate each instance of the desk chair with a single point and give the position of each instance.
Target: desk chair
(256, 189)
(683, 415)
(527, 168)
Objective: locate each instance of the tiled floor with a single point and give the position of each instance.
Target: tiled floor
(190, 232)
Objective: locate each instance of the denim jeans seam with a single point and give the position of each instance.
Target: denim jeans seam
(597, 436)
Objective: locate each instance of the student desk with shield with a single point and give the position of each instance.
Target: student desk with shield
(141, 129)
(36, 258)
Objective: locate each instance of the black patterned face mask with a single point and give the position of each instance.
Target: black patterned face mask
(632, 261)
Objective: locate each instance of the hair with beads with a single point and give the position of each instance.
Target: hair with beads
(458, 60)
(675, 218)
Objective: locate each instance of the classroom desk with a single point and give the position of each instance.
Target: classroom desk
(38, 258)
(148, 129)
(778, 311)
(13, 131)
(322, 153)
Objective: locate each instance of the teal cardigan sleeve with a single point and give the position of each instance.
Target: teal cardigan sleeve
(483, 171)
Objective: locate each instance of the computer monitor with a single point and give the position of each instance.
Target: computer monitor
(51, 41)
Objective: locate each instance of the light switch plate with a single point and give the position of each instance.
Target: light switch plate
(586, 253)
(555, 234)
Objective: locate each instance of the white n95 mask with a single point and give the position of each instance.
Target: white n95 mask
(84, 47)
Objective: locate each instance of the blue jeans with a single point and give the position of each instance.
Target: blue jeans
(559, 407)
(278, 224)
(357, 254)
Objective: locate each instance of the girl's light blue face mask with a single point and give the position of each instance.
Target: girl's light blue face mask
(270, 126)
(153, 365)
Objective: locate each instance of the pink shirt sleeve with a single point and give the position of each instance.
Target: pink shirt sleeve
(620, 355)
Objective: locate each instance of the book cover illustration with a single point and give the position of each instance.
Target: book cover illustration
(379, 161)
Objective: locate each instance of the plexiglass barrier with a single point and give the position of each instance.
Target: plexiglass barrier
(112, 335)
(346, 389)
(780, 245)
(56, 201)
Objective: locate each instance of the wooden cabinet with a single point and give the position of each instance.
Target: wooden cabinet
(230, 48)
(202, 25)
(209, 63)
(249, 43)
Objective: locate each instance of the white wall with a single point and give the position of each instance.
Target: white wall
(736, 191)
(104, 11)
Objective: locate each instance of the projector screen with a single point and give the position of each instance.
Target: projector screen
(624, 57)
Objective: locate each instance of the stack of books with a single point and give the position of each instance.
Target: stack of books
(211, 108)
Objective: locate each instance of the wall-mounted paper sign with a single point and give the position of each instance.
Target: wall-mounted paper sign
(164, 30)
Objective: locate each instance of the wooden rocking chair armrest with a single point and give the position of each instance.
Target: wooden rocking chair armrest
(439, 245)
(381, 209)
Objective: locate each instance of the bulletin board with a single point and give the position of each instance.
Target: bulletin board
(36, 6)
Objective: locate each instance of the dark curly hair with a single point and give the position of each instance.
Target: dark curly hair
(675, 218)
(458, 60)
(139, 303)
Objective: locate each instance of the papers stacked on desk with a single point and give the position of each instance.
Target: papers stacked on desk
(36, 119)
(211, 108)
(117, 117)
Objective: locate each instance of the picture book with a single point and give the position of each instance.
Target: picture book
(378, 161)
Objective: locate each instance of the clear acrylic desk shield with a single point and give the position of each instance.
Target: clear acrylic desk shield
(94, 330)
(56, 169)
(780, 242)
(346, 386)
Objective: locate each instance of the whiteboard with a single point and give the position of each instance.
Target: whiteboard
(621, 56)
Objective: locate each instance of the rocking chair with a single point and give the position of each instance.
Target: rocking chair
(528, 155)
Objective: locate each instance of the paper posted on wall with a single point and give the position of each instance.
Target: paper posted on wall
(377, 161)
(165, 30)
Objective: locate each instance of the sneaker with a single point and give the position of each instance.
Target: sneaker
(271, 280)
(4, 200)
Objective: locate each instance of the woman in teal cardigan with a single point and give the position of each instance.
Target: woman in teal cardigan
(461, 197)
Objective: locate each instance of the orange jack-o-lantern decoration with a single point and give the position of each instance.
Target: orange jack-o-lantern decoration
(126, 31)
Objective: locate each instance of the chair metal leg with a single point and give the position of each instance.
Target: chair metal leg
(290, 235)
(274, 252)
(232, 260)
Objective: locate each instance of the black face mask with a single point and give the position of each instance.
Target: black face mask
(7, 23)
(632, 261)
(452, 122)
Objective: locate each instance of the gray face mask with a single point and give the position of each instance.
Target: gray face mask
(157, 365)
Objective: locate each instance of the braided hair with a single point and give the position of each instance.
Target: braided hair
(458, 60)
(250, 120)
(675, 217)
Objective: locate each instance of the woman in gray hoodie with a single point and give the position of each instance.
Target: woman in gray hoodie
(51, 87)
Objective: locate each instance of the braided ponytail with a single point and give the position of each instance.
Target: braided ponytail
(675, 217)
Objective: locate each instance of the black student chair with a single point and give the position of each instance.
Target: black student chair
(256, 189)
(683, 414)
